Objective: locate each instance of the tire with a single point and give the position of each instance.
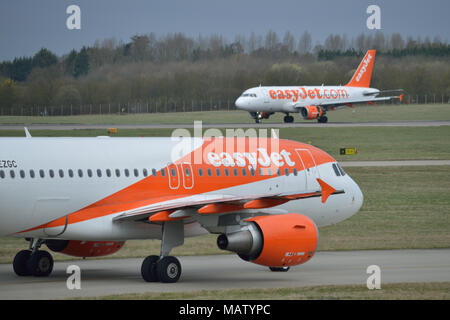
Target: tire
(20, 263)
(279, 269)
(148, 269)
(323, 119)
(168, 269)
(40, 264)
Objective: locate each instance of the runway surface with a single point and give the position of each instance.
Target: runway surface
(225, 125)
(118, 276)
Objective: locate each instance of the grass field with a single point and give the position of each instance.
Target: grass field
(372, 143)
(363, 113)
(404, 207)
(397, 291)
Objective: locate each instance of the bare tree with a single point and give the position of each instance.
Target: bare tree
(305, 43)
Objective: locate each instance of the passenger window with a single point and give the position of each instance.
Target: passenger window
(200, 172)
(80, 173)
(89, 173)
(51, 173)
(218, 172)
(136, 172)
(252, 171)
(22, 174)
(127, 172)
(32, 173)
(42, 173)
(61, 173)
(278, 172)
(295, 172)
(108, 172)
(2, 174)
(261, 173)
(227, 172)
(173, 172)
(269, 172)
(235, 172)
(244, 172)
(336, 170)
(286, 172)
(12, 174)
(99, 173)
(117, 173)
(145, 172)
(209, 171)
(187, 172)
(71, 173)
(154, 172)
(163, 172)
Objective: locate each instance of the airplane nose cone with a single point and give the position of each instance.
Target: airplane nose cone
(357, 197)
(239, 103)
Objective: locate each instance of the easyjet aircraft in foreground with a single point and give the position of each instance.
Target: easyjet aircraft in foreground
(313, 102)
(264, 198)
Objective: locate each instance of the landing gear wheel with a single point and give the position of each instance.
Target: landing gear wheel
(40, 264)
(20, 263)
(168, 269)
(323, 119)
(279, 269)
(288, 119)
(148, 269)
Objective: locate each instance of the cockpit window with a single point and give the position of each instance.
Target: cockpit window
(340, 169)
(253, 95)
(336, 170)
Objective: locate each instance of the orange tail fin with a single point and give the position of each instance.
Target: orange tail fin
(363, 74)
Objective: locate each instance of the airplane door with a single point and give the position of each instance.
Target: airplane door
(311, 171)
(174, 176)
(265, 95)
(188, 175)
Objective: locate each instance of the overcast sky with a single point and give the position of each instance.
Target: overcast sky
(28, 25)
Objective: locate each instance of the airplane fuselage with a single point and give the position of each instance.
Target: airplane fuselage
(73, 188)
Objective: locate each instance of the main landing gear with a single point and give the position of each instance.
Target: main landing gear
(165, 268)
(288, 119)
(322, 119)
(33, 262)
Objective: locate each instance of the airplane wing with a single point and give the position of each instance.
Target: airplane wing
(330, 105)
(219, 203)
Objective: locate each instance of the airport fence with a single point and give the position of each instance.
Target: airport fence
(167, 106)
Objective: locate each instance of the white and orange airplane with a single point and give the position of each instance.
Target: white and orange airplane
(264, 198)
(313, 102)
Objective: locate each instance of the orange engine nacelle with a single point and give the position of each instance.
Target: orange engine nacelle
(274, 241)
(83, 249)
(311, 112)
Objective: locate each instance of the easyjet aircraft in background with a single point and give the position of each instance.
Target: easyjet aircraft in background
(313, 102)
(264, 198)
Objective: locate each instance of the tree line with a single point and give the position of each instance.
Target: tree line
(175, 67)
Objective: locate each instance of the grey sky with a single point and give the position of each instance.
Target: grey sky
(28, 25)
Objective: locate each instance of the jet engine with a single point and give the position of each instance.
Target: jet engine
(83, 249)
(311, 112)
(275, 240)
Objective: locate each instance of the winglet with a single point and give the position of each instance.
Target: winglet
(327, 190)
(27, 133)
